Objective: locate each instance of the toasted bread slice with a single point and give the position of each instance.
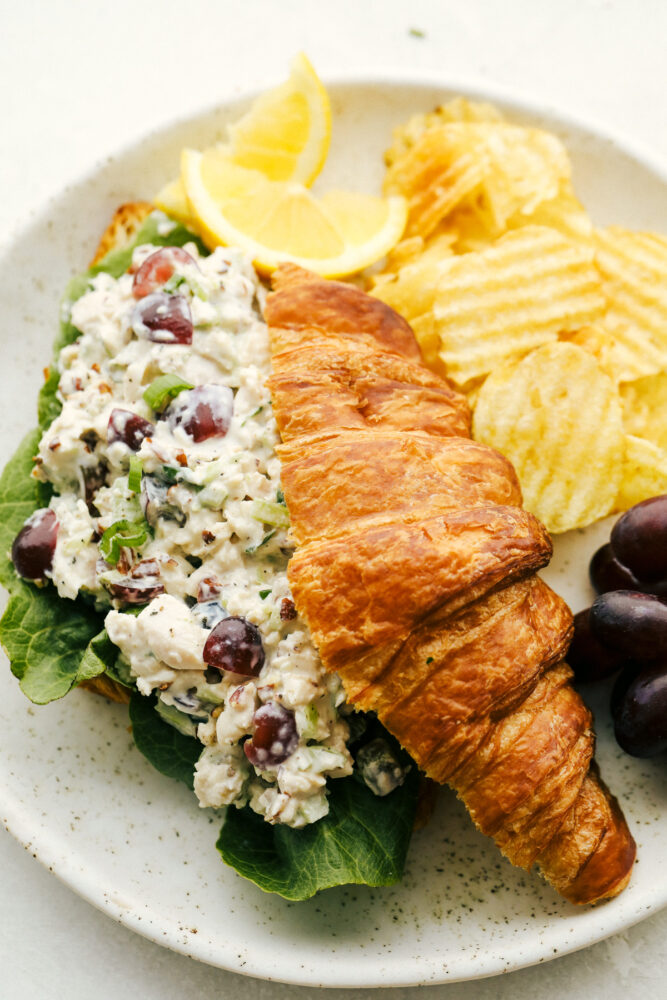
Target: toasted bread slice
(108, 688)
(125, 224)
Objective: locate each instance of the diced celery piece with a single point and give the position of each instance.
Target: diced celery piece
(269, 512)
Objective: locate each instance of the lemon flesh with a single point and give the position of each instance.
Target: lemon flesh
(278, 221)
(286, 133)
(172, 200)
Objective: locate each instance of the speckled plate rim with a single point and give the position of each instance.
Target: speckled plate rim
(588, 927)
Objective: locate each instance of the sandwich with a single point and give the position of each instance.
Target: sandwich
(261, 520)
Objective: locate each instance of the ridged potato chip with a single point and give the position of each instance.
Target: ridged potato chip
(645, 408)
(500, 263)
(471, 227)
(472, 392)
(408, 285)
(528, 167)
(436, 175)
(564, 213)
(410, 289)
(417, 250)
(457, 110)
(633, 266)
(644, 472)
(498, 169)
(598, 342)
(497, 305)
(557, 417)
(429, 342)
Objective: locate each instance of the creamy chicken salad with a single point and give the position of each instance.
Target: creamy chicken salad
(168, 511)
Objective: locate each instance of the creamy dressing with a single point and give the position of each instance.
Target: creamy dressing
(211, 519)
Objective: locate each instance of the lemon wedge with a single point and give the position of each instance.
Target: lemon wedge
(276, 221)
(286, 133)
(172, 200)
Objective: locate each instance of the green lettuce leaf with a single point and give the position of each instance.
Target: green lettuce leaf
(20, 496)
(169, 751)
(45, 639)
(363, 840)
(101, 657)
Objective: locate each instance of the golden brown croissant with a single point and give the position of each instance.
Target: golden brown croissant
(416, 572)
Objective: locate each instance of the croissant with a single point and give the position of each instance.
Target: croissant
(415, 570)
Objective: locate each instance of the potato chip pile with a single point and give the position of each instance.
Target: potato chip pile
(555, 330)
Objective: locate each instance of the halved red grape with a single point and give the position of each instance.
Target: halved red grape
(35, 544)
(630, 623)
(274, 737)
(190, 703)
(639, 539)
(142, 584)
(590, 660)
(162, 318)
(209, 613)
(156, 504)
(235, 644)
(640, 716)
(129, 428)
(379, 767)
(202, 412)
(133, 592)
(157, 269)
(94, 478)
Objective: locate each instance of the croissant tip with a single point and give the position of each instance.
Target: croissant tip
(286, 275)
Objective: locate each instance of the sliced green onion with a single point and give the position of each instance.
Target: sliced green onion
(264, 594)
(253, 414)
(280, 497)
(122, 534)
(312, 717)
(135, 473)
(174, 282)
(169, 474)
(163, 389)
(267, 538)
(270, 513)
(197, 289)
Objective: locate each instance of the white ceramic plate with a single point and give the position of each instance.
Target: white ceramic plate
(76, 792)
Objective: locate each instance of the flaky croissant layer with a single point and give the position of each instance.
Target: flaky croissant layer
(416, 572)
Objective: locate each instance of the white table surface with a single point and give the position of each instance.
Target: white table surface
(78, 80)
